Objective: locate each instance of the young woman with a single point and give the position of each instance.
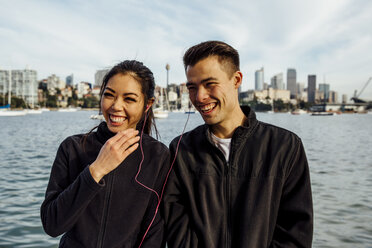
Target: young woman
(105, 185)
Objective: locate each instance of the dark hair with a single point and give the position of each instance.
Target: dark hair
(227, 55)
(145, 77)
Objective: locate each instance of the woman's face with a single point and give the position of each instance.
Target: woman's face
(122, 103)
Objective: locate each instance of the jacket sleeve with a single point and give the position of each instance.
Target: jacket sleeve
(65, 200)
(294, 227)
(155, 236)
(178, 231)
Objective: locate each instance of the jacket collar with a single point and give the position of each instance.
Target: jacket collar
(103, 133)
(240, 132)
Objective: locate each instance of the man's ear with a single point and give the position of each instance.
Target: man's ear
(238, 79)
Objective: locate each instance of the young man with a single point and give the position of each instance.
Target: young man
(237, 182)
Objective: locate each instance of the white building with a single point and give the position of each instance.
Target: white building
(23, 84)
(4, 81)
(83, 89)
(273, 94)
(53, 83)
(277, 81)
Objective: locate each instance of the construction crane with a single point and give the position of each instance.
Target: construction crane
(356, 98)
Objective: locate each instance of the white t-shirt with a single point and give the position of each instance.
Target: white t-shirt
(222, 144)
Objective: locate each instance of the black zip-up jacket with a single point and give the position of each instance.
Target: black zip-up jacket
(261, 198)
(114, 213)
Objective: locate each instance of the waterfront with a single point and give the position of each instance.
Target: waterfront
(338, 148)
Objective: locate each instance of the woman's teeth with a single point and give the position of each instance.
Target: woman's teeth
(117, 118)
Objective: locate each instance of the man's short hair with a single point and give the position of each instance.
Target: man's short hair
(227, 55)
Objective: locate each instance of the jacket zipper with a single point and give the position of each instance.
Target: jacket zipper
(228, 217)
(101, 233)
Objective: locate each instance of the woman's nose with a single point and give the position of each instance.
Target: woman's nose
(117, 104)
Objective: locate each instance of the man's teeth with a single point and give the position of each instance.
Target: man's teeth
(207, 107)
(117, 118)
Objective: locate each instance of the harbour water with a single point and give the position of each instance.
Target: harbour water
(338, 148)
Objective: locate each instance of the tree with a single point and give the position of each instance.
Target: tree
(90, 102)
(51, 101)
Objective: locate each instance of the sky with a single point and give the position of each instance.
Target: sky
(329, 38)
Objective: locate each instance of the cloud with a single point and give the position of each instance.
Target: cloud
(331, 37)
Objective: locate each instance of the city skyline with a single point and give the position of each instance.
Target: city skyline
(323, 38)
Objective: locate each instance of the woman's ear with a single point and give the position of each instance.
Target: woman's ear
(150, 102)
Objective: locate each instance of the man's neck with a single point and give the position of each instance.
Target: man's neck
(226, 129)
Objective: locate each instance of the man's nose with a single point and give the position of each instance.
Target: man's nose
(201, 94)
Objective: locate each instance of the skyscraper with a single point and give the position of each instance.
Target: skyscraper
(291, 82)
(311, 88)
(70, 80)
(98, 77)
(325, 89)
(259, 79)
(277, 81)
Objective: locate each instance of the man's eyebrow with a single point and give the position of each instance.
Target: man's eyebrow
(202, 81)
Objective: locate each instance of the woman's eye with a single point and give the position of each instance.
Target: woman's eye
(107, 94)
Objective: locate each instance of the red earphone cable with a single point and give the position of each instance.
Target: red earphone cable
(166, 178)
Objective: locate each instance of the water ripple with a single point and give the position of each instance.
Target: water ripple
(338, 150)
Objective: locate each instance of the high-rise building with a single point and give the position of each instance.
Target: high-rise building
(344, 98)
(325, 89)
(98, 77)
(4, 81)
(23, 84)
(333, 97)
(277, 82)
(311, 88)
(291, 82)
(70, 80)
(54, 82)
(259, 79)
(300, 90)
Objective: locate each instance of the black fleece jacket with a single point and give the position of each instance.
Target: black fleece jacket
(260, 198)
(114, 213)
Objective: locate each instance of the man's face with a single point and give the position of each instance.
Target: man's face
(212, 90)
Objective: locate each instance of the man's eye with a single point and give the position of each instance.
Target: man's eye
(211, 83)
(130, 99)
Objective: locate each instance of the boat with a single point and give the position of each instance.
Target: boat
(97, 117)
(6, 112)
(45, 109)
(33, 111)
(160, 113)
(298, 112)
(322, 113)
(70, 109)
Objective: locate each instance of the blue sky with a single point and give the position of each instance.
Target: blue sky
(329, 38)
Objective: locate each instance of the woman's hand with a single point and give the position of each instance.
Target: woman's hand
(113, 152)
